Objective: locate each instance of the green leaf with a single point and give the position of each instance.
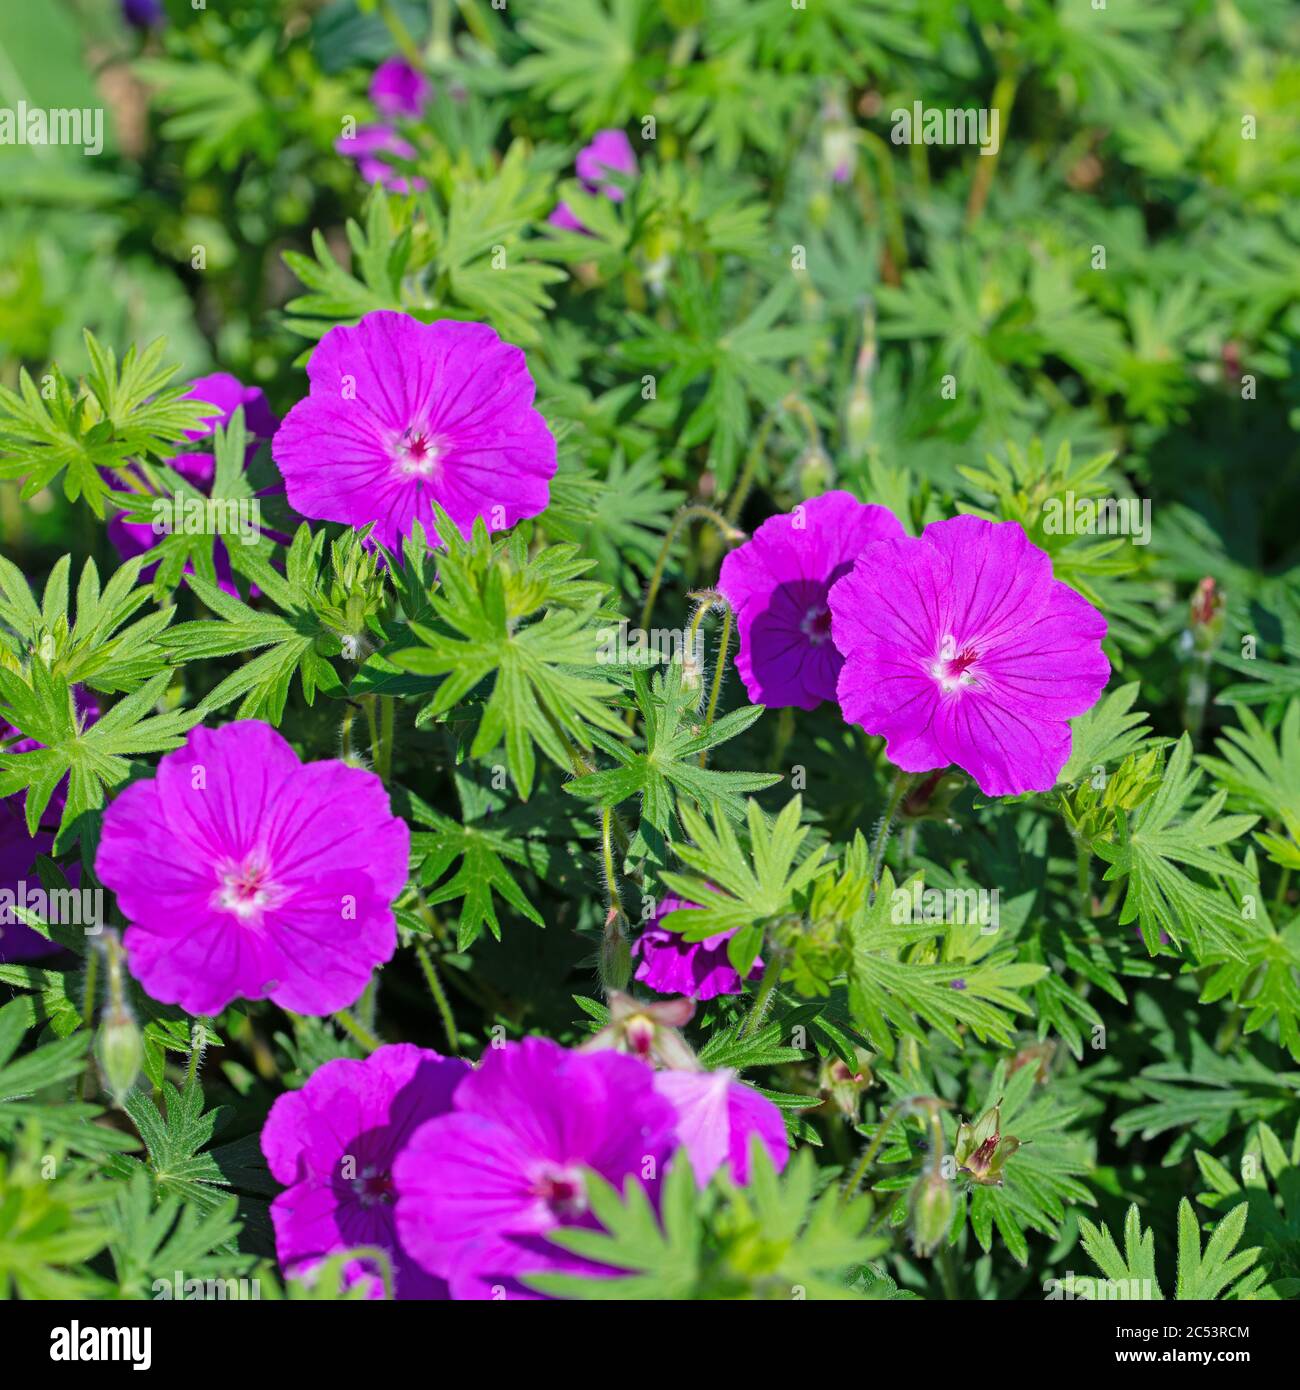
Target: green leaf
(1148, 848)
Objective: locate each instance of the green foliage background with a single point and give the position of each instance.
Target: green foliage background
(785, 301)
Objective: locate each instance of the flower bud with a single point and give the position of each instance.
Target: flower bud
(1205, 618)
(119, 1049)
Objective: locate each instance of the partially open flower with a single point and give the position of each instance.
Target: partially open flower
(647, 1030)
(982, 1149)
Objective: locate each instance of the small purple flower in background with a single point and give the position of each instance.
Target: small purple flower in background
(610, 152)
(368, 145)
(143, 14)
(479, 1187)
(960, 647)
(669, 964)
(398, 89)
(403, 414)
(18, 851)
(778, 581)
(718, 1117)
(227, 394)
(333, 1145)
(247, 874)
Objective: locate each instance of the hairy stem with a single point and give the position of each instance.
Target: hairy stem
(440, 1000)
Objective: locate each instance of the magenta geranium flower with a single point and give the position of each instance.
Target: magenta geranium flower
(961, 647)
(610, 152)
(226, 393)
(369, 145)
(247, 874)
(404, 414)
(670, 964)
(398, 89)
(777, 582)
(718, 1118)
(479, 1187)
(333, 1145)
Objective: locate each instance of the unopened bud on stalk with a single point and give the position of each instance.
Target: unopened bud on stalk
(816, 474)
(615, 953)
(119, 1044)
(119, 1049)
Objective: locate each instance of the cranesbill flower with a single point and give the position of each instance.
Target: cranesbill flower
(247, 874)
(610, 152)
(477, 1188)
(368, 145)
(333, 1145)
(777, 582)
(960, 647)
(398, 89)
(226, 394)
(143, 14)
(718, 1117)
(403, 414)
(670, 964)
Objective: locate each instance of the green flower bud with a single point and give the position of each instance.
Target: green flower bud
(119, 1049)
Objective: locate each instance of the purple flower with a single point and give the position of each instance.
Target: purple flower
(672, 965)
(777, 582)
(18, 851)
(248, 874)
(610, 152)
(227, 394)
(398, 89)
(961, 647)
(368, 145)
(333, 1144)
(403, 414)
(718, 1117)
(143, 14)
(479, 1187)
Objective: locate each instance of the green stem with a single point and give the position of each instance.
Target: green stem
(724, 650)
(895, 238)
(766, 989)
(387, 720)
(689, 513)
(860, 1172)
(401, 34)
(746, 480)
(1082, 875)
(1004, 93)
(607, 853)
(902, 781)
(361, 1035)
(948, 1273)
(439, 996)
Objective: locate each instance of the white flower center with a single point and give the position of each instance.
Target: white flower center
(816, 624)
(245, 889)
(416, 453)
(954, 666)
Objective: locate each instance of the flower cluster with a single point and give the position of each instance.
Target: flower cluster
(458, 1174)
(958, 646)
(398, 91)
